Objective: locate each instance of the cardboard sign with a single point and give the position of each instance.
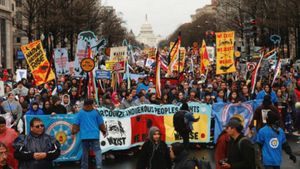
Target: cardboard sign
(21, 73)
(118, 53)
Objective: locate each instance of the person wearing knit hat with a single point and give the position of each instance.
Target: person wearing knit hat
(154, 153)
(272, 140)
(180, 157)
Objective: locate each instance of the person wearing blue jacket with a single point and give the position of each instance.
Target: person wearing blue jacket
(34, 109)
(267, 91)
(272, 140)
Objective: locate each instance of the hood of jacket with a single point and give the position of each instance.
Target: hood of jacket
(152, 131)
(69, 100)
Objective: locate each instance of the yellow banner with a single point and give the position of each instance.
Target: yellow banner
(38, 63)
(182, 54)
(151, 53)
(200, 132)
(225, 52)
(110, 64)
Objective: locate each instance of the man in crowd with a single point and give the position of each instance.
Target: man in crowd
(272, 140)
(260, 113)
(240, 151)
(3, 157)
(37, 149)
(8, 136)
(89, 122)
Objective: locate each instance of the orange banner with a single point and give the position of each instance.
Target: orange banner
(37, 62)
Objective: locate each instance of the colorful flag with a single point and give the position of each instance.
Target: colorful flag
(157, 76)
(163, 63)
(174, 54)
(204, 57)
(277, 71)
(255, 72)
(38, 63)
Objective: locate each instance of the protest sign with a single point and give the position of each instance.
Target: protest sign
(61, 61)
(85, 40)
(126, 128)
(38, 63)
(21, 73)
(225, 49)
(103, 74)
(118, 53)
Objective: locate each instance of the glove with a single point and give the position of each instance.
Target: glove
(293, 158)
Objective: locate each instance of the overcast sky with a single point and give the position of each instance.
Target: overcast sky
(164, 15)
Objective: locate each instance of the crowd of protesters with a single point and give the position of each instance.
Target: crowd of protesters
(67, 93)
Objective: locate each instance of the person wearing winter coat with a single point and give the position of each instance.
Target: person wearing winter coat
(66, 102)
(34, 109)
(37, 149)
(14, 108)
(154, 153)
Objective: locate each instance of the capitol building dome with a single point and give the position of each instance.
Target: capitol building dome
(146, 35)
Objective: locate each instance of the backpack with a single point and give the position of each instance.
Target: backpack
(179, 122)
(257, 157)
(201, 163)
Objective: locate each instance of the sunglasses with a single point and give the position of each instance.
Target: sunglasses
(39, 126)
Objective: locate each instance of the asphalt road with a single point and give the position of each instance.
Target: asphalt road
(124, 161)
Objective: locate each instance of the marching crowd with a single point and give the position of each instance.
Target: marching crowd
(66, 96)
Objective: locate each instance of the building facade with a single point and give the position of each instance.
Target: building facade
(146, 35)
(7, 8)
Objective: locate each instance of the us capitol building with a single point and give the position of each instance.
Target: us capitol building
(146, 35)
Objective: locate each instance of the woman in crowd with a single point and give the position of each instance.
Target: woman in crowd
(115, 100)
(154, 153)
(47, 107)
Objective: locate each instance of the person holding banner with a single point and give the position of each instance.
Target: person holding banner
(88, 122)
(154, 153)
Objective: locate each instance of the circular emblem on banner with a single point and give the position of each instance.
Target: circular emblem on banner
(251, 66)
(61, 130)
(87, 64)
(274, 143)
(237, 54)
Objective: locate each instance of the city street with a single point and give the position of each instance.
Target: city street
(129, 162)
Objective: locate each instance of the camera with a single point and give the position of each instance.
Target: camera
(223, 161)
